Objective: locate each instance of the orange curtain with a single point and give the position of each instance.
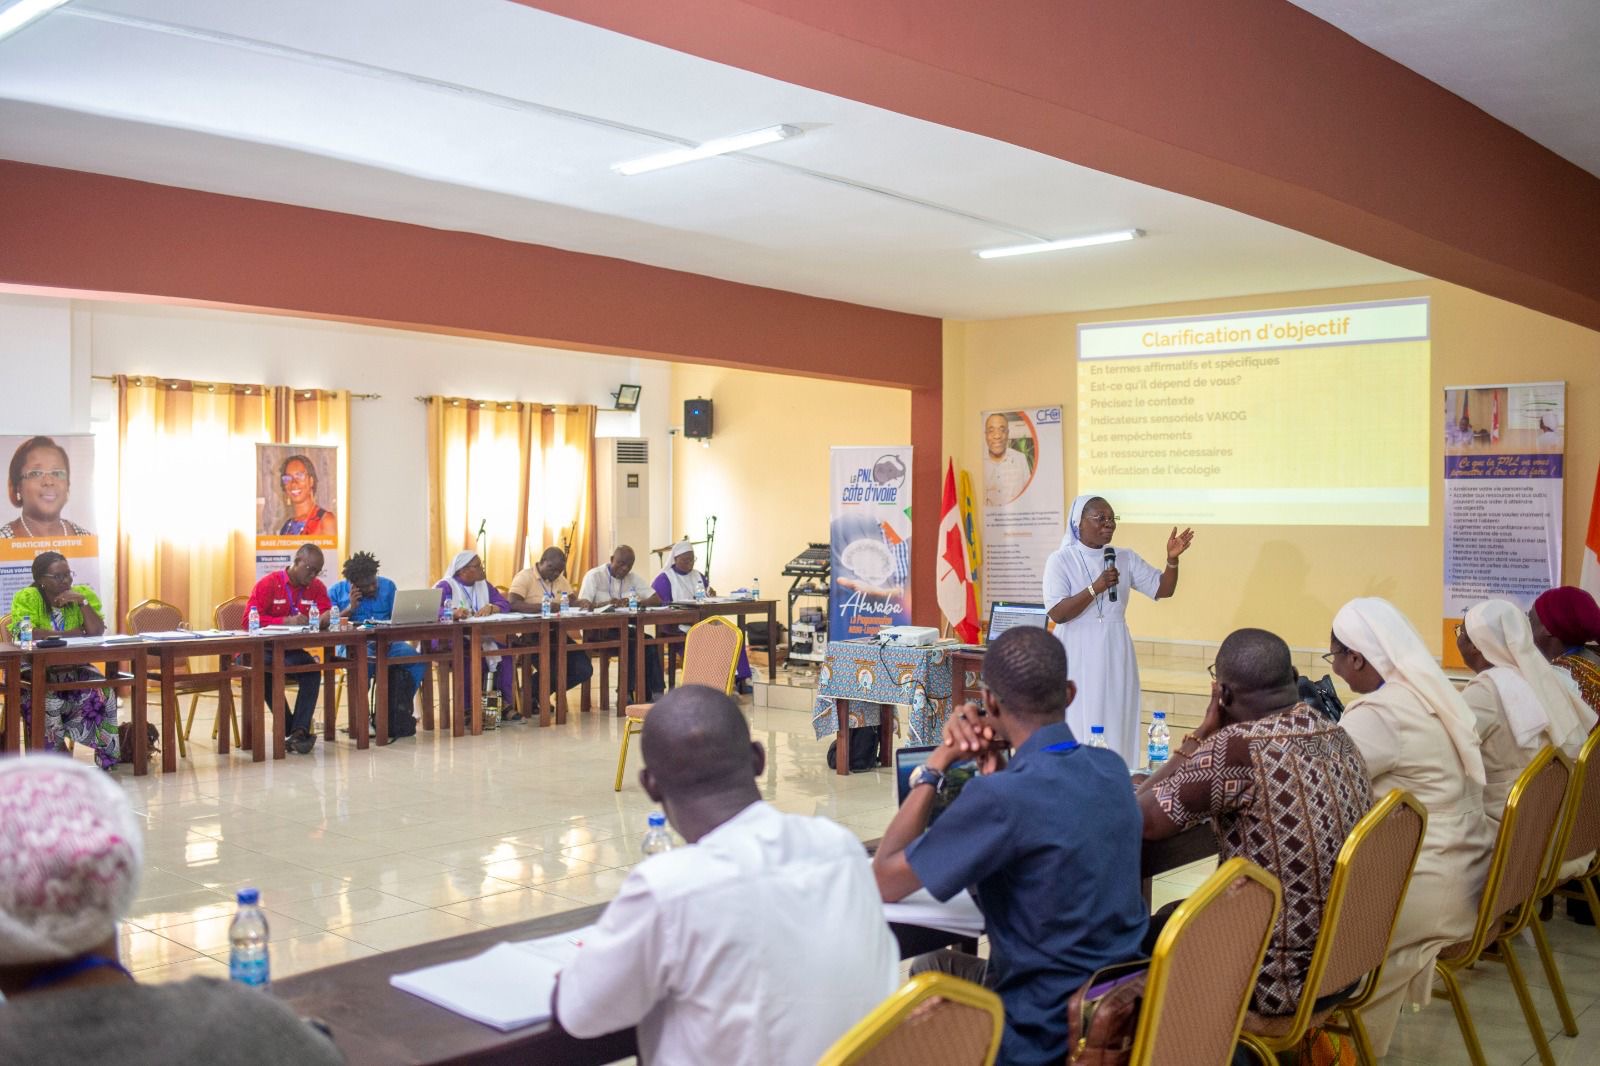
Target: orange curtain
(520, 474)
(186, 491)
(561, 486)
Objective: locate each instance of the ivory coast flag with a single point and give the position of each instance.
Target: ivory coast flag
(1589, 577)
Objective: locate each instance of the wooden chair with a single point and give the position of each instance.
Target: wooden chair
(710, 657)
(1510, 898)
(1370, 878)
(1204, 969)
(154, 615)
(1577, 837)
(932, 1020)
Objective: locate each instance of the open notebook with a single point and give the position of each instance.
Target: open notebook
(507, 987)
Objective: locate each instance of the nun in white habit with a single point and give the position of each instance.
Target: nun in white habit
(1093, 627)
(679, 583)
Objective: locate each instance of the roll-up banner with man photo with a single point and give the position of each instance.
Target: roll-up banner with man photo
(50, 508)
(296, 503)
(870, 530)
(1504, 452)
(1023, 501)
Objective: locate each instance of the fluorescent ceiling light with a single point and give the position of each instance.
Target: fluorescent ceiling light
(1056, 246)
(22, 12)
(721, 146)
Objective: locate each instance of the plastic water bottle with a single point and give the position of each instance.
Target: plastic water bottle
(254, 622)
(314, 618)
(755, 588)
(564, 603)
(247, 961)
(544, 606)
(1160, 746)
(1097, 736)
(446, 609)
(633, 600)
(25, 633)
(656, 838)
(699, 592)
(333, 617)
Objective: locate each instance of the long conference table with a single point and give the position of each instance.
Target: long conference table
(375, 1023)
(132, 665)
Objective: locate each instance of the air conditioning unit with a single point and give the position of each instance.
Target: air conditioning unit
(622, 495)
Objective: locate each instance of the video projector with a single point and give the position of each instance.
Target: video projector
(909, 636)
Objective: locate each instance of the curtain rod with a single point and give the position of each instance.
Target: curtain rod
(136, 377)
(504, 405)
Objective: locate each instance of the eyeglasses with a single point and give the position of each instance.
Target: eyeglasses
(1099, 516)
(295, 479)
(65, 579)
(1330, 656)
(53, 475)
(1212, 670)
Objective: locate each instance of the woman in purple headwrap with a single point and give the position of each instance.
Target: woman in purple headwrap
(1566, 627)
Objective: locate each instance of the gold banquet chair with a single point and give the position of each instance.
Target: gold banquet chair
(1510, 900)
(710, 657)
(1370, 878)
(1576, 839)
(1586, 828)
(933, 1019)
(1204, 969)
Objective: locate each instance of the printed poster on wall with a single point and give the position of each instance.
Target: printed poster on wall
(1024, 507)
(869, 525)
(50, 498)
(296, 503)
(1504, 448)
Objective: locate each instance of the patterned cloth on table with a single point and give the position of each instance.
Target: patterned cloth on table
(918, 678)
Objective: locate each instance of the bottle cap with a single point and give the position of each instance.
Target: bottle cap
(1159, 714)
(249, 896)
(1097, 729)
(657, 820)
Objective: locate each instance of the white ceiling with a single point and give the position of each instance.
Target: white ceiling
(1532, 64)
(489, 117)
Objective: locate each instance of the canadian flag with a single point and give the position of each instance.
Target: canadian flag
(1589, 579)
(957, 599)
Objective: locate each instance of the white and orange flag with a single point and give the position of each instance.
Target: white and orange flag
(1589, 577)
(958, 599)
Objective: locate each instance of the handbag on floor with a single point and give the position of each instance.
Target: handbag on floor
(863, 749)
(1103, 1015)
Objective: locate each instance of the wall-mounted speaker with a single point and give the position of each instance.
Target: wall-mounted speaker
(697, 419)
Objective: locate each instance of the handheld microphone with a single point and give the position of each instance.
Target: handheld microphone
(1111, 560)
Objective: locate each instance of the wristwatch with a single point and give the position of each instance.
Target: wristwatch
(927, 775)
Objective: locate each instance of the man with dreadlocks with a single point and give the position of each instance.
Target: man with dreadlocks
(363, 596)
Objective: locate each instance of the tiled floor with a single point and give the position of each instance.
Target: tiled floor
(360, 852)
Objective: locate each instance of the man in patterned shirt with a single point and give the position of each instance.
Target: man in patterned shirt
(1281, 785)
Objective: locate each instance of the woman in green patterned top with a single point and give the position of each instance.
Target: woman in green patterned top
(58, 608)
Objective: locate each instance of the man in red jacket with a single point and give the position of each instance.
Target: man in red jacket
(285, 598)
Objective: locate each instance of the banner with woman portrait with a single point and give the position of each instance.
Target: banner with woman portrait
(296, 503)
(50, 507)
(1023, 501)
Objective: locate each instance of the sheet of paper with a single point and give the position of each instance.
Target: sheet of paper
(506, 987)
(560, 949)
(166, 634)
(960, 914)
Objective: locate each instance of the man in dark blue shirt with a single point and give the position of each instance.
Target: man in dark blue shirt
(1050, 840)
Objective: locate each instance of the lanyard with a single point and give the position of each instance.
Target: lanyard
(72, 968)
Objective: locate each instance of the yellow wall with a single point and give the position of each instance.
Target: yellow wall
(765, 473)
(1292, 579)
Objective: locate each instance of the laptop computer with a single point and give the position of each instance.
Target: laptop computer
(1004, 615)
(907, 759)
(416, 607)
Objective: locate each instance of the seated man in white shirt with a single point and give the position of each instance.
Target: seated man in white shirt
(608, 585)
(761, 942)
